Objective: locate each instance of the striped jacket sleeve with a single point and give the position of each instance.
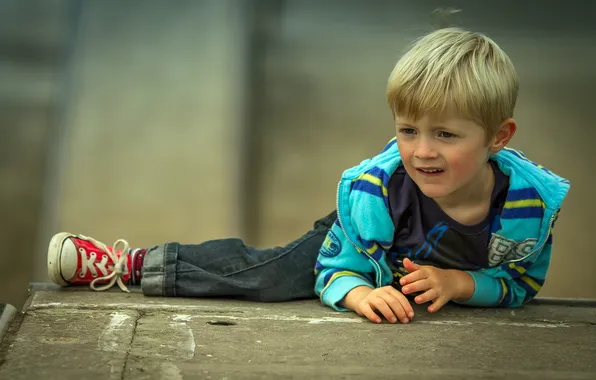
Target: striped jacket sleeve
(340, 268)
(511, 284)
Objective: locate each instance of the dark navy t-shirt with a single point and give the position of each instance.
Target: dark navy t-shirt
(428, 236)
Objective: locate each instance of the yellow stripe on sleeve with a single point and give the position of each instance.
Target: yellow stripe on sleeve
(533, 284)
(375, 181)
(521, 270)
(525, 203)
(505, 290)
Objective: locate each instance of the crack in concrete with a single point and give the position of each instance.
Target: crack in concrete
(129, 348)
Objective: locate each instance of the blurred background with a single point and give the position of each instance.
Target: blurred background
(189, 120)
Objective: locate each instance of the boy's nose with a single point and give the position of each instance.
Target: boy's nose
(425, 150)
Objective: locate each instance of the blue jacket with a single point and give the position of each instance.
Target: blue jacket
(353, 253)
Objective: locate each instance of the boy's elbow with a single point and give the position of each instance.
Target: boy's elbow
(520, 291)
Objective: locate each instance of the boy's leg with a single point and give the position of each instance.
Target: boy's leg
(228, 268)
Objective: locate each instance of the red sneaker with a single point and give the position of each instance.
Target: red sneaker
(81, 260)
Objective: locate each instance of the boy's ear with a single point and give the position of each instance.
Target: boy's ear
(503, 136)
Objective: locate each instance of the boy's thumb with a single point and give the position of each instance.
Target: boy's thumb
(409, 265)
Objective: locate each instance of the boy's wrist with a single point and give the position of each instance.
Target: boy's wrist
(464, 285)
(354, 296)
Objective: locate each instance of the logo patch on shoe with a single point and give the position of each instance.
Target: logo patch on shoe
(331, 246)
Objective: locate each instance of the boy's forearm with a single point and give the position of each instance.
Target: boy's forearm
(465, 287)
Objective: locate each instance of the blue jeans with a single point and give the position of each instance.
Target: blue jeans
(228, 268)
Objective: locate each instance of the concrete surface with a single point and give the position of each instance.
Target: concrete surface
(74, 334)
(7, 315)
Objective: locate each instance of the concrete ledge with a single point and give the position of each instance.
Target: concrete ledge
(7, 315)
(80, 298)
(561, 301)
(76, 333)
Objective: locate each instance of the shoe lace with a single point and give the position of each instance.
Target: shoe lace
(119, 265)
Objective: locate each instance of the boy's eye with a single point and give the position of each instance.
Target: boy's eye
(446, 135)
(407, 131)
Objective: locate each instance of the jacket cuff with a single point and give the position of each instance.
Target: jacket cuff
(487, 291)
(337, 290)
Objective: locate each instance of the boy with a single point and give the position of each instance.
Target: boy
(474, 215)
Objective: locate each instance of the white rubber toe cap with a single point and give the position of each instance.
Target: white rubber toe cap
(62, 259)
(68, 260)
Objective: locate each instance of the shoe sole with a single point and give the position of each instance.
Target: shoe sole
(54, 253)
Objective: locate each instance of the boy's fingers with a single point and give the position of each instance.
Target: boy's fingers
(427, 296)
(404, 302)
(437, 304)
(397, 307)
(416, 286)
(412, 277)
(381, 305)
(410, 266)
(369, 313)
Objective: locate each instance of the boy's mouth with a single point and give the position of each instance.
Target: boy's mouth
(429, 171)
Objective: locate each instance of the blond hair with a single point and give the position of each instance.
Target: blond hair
(454, 69)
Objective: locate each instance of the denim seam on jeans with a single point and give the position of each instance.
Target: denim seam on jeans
(289, 249)
(170, 258)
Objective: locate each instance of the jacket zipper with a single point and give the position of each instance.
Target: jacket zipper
(376, 264)
(550, 225)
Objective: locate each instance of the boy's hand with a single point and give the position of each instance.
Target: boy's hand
(387, 300)
(439, 285)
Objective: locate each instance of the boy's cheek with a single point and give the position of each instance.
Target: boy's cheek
(463, 168)
(404, 151)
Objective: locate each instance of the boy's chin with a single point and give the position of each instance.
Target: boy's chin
(435, 192)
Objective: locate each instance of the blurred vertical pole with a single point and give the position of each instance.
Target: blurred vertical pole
(261, 23)
(56, 149)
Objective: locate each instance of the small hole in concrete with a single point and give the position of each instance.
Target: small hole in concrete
(221, 323)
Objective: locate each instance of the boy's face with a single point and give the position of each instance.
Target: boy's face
(444, 156)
